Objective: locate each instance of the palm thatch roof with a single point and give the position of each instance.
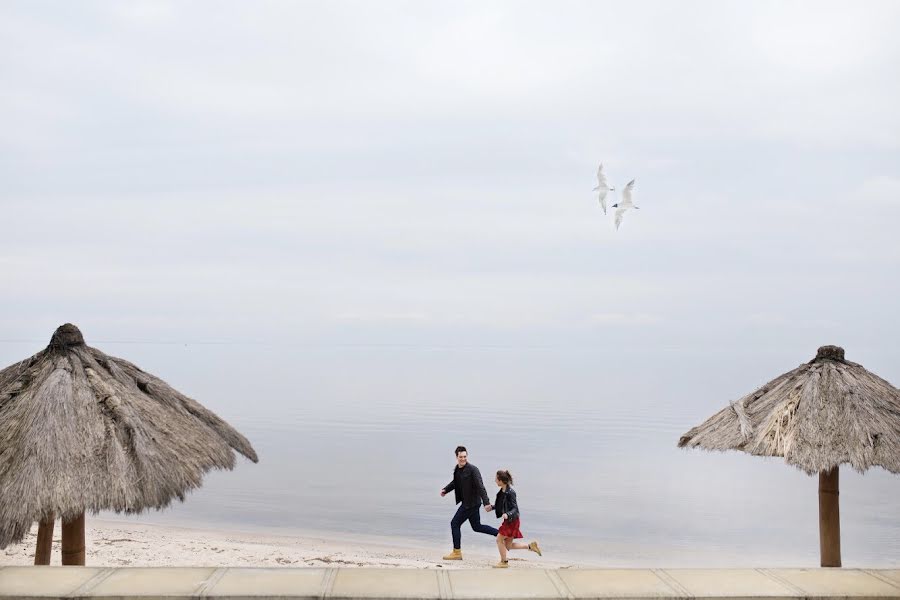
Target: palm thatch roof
(824, 413)
(80, 430)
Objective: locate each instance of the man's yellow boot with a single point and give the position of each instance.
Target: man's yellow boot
(455, 555)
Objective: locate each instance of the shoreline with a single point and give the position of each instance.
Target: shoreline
(124, 543)
(112, 542)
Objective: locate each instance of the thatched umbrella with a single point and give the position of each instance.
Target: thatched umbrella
(823, 414)
(80, 430)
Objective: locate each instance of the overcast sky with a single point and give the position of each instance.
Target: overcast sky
(421, 173)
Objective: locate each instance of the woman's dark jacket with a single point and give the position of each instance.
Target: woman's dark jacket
(468, 486)
(506, 503)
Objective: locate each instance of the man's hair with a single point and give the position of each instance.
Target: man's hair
(505, 477)
(461, 449)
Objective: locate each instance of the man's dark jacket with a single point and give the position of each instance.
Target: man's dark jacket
(468, 486)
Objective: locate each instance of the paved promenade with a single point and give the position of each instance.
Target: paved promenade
(312, 583)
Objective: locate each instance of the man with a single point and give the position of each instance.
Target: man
(470, 493)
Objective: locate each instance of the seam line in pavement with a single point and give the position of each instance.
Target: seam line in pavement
(211, 582)
(672, 583)
(450, 585)
(91, 583)
(328, 582)
(559, 584)
(781, 581)
(883, 578)
(796, 589)
(444, 590)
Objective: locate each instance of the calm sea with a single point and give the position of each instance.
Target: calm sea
(360, 440)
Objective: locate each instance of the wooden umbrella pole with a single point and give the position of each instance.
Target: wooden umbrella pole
(44, 541)
(73, 541)
(829, 519)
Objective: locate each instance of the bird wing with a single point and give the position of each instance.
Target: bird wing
(620, 212)
(601, 195)
(626, 195)
(601, 178)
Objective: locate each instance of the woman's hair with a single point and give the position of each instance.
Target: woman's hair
(505, 477)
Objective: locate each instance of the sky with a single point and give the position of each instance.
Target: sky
(419, 174)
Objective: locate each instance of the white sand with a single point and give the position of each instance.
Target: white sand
(126, 543)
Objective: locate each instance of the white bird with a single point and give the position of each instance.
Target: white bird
(602, 188)
(625, 203)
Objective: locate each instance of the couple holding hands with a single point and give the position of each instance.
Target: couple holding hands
(470, 495)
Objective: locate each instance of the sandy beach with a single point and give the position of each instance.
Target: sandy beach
(124, 543)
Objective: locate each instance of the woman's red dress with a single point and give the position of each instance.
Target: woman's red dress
(510, 529)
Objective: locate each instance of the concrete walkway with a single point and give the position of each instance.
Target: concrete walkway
(231, 583)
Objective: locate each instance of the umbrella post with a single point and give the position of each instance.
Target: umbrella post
(829, 519)
(44, 541)
(73, 541)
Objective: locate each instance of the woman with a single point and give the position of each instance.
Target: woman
(506, 507)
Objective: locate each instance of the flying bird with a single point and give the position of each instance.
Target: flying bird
(625, 203)
(602, 187)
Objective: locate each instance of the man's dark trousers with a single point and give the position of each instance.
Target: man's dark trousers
(471, 514)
